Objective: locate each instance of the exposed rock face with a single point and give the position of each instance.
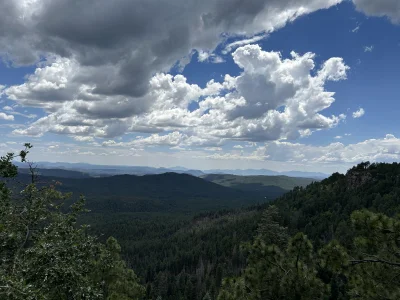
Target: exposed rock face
(356, 178)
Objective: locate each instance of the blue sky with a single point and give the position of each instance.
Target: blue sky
(163, 92)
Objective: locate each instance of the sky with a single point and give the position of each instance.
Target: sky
(307, 85)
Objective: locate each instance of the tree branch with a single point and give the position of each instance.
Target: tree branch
(363, 261)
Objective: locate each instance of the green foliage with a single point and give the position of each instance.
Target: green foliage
(269, 229)
(45, 255)
(369, 270)
(117, 282)
(376, 260)
(275, 274)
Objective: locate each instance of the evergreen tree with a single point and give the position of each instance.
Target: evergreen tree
(375, 265)
(368, 270)
(270, 230)
(46, 255)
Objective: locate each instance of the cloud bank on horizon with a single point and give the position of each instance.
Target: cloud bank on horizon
(106, 80)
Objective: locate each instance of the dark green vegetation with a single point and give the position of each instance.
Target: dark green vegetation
(291, 268)
(316, 242)
(153, 218)
(274, 184)
(168, 192)
(44, 254)
(338, 249)
(183, 257)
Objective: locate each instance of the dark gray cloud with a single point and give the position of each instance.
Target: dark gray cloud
(380, 8)
(137, 38)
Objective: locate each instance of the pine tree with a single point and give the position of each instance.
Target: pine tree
(269, 229)
(45, 254)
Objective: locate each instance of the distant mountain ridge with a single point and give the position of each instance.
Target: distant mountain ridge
(109, 170)
(167, 192)
(266, 172)
(258, 182)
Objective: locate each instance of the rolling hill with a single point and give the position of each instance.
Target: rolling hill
(157, 193)
(273, 184)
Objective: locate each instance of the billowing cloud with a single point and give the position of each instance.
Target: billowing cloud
(388, 8)
(359, 113)
(273, 98)
(83, 138)
(6, 117)
(334, 156)
(122, 44)
(386, 149)
(207, 56)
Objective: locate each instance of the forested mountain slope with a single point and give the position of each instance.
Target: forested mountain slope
(189, 256)
(332, 247)
(277, 184)
(322, 209)
(155, 193)
(181, 257)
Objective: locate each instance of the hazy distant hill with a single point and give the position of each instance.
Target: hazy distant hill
(56, 173)
(266, 172)
(107, 170)
(259, 183)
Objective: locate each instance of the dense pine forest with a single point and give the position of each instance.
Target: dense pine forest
(334, 239)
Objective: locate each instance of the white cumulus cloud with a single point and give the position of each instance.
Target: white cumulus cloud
(359, 113)
(273, 98)
(6, 117)
(332, 156)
